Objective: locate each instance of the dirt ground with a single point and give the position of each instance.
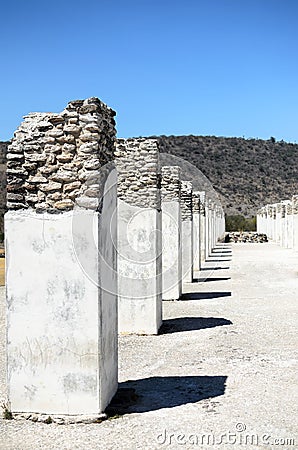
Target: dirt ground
(221, 374)
(2, 271)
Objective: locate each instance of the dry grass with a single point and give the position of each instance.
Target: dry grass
(2, 271)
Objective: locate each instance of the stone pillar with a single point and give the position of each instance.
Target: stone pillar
(289, 225)
(283, 228)
(139, 236)
(269, 221)
(264, 218)
(278, 223)
(196, 231)
(274, 222)
(203, 227)
(187, 231)
(210, 227)
(61, 263)
(295, 222)
(171, 233)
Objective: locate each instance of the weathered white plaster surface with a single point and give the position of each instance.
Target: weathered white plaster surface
(203, 237)
(196, 241)
(187, 251)
(139, 265)
(295, 232)
(62, 325)
(171, 251)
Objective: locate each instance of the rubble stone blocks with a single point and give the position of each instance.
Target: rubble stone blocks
(61, 262)
(187, 231)
(196, 231)
(139, 236)
(171, 233)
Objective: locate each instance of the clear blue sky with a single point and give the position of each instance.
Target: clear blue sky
(203, 67)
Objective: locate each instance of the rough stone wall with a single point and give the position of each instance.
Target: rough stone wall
(196, 202)
(274, 212)
(289, 208)
(186, 200)
(295, 204)
(170, 183)
(53, 160)
(138, 167)
(202, 203)
(279, 208)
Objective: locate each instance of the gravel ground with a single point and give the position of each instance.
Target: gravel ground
(224, 366)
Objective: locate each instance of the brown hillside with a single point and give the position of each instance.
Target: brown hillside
(246, 173)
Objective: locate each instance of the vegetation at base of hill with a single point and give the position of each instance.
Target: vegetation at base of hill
(240, 223)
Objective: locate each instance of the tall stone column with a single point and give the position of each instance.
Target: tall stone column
(61, 288)
(289, 225)
(269, 221)
(197, 235)
(274, 222)
(187, 231)
(278, 223)
(203, 227)
(171, 233)
(209, 243)
(139, 236)
(264, 219)
(283, 228)
(295, 222)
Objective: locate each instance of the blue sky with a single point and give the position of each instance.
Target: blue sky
(202, 67)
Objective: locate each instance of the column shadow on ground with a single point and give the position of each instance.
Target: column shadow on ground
(217, 260)
(181, 324)
(204, 295)
(205, 280)
(153, 393)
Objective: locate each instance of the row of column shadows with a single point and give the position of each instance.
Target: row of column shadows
(154, 393)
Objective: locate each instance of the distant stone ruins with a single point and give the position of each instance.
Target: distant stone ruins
(279, 222)
(98, 233)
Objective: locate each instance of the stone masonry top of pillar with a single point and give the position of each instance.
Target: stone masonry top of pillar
(202, 202)
(289, 208)
(170, 183)
(138, 167)
(295, 204)
(186, 200)
(196, 202)
(54, 158)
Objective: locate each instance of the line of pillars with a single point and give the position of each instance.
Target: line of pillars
(279, 221)
(95, 262)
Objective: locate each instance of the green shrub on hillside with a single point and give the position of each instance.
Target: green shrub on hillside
(240, 223)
